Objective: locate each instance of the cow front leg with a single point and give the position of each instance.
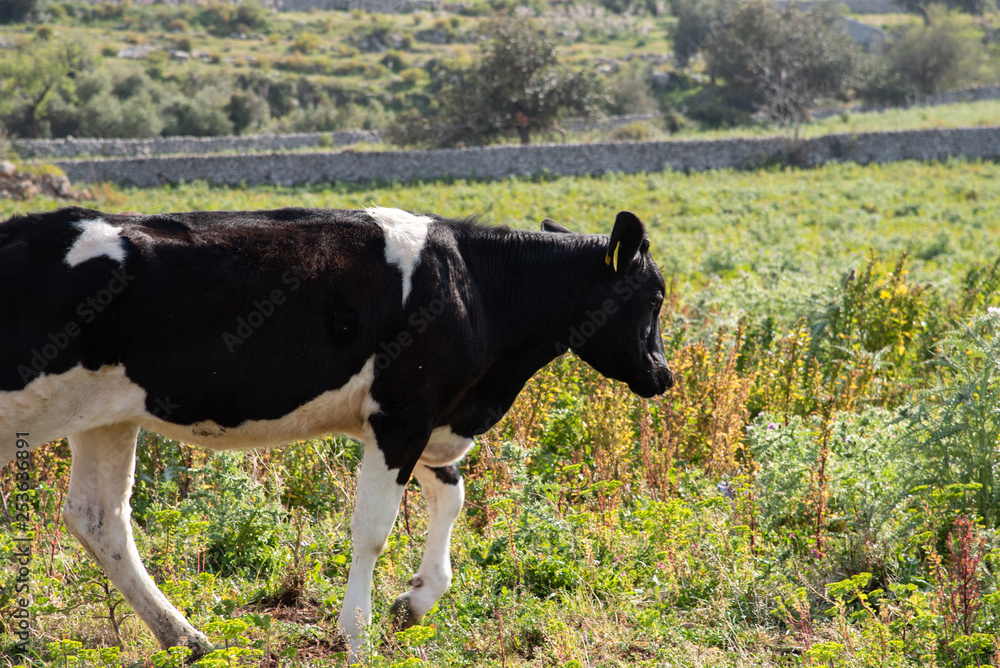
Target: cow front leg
(97, 512)
(443, 489)
(376, 505)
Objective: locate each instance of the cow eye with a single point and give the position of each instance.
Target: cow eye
(655, 301)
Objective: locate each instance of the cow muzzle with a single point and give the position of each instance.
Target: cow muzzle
(659, 381)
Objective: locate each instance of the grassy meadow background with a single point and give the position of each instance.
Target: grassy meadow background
(819, 489)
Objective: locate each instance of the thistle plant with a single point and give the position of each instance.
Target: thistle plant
(955, 425)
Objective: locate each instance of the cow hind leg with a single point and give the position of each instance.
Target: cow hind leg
(442, 488)
(97, 512)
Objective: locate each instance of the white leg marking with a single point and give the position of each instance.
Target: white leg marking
(375, 510)
(444, 503)
(97, 238)
(405, 236)
(97, 512)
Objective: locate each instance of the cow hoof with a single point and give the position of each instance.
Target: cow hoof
(402, 614)
(200, 648)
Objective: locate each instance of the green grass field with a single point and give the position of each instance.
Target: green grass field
(819, 489)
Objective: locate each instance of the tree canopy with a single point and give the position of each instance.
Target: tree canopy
(30, 81)
(14, 11)
(778, 60)
(517, 86)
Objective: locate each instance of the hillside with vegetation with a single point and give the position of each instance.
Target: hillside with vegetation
(450, 77)
(820, 488)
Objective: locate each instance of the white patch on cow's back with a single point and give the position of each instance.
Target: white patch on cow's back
(405, 236)
(97, 238)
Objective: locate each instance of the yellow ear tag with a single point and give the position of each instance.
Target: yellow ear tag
(607, 259)
(616, 255)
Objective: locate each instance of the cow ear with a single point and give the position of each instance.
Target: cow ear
(549, 225)
(626, 239)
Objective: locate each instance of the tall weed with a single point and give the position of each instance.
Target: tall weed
(954, 426)
(701, 421)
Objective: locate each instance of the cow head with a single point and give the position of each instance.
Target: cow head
(618, 328)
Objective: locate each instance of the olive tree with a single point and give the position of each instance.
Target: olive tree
(33, 78)
(947, 52)
(782, 58)
(518, 86)
(926, 8)
(697, 21)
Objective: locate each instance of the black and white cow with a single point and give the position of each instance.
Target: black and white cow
(411, 333)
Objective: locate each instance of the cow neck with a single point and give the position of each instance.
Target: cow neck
(535, 284)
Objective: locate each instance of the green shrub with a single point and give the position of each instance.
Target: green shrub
(141, 117)
(629, 91)
(92, 82)
(101, 116)
(242, 515)
(715, 107)
(202, 115)
(223, 18)
(675, 121)
(248, 112)
(637, 131)
(306, 43)
(865, 474)
(944, 55)
(108, 11)
(394, 61)
(879, 313)
(313, 473)
(896, 323)
(324, 116)
(251, 14)
(156, 64)
(411, 75)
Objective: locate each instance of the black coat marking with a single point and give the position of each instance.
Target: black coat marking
(241, 316)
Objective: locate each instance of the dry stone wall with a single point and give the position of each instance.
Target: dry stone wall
(86, 146)
(68, 148)
(497, 162)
